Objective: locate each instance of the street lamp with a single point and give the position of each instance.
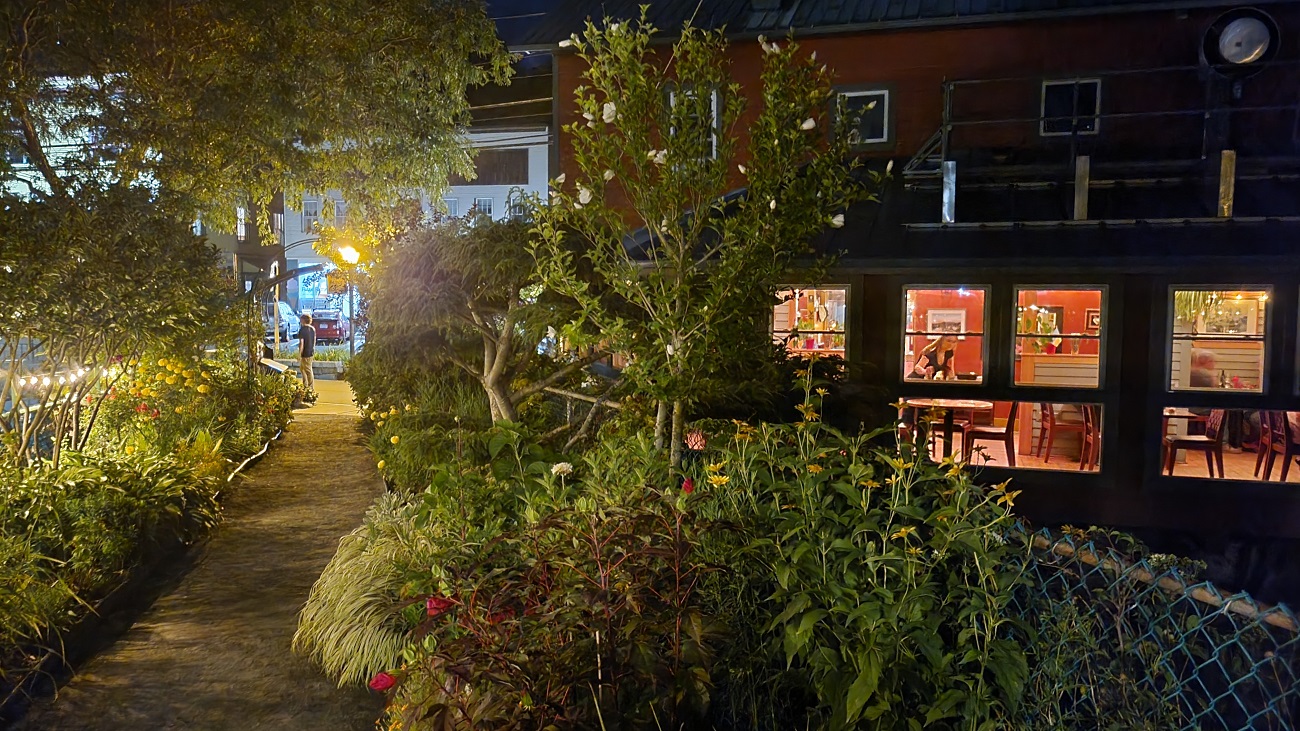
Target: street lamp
(351, 256)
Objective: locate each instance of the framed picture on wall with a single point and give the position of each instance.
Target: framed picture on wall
(940, 322)
(1092, 320)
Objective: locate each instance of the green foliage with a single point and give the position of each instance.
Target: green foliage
(688, 296)
(208, 99)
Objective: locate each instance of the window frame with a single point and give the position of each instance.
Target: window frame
(1016, 289)
(479, 208)
(1266, 340)
(985, 334)
(715, 107)
(887, 90)
(1076, 116)
(844, 326)
(452, 205)
(310, 222)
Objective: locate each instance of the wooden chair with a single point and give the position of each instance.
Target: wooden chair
(1049, 426)
(1264, 447)
(1281, 441)
(1211, 443)
(1091, 449)
(1005, 434)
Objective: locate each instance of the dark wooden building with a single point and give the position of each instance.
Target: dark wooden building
(1098, 201)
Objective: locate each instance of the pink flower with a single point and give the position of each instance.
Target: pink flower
(688, 486)
(436, 605)
(382, 682)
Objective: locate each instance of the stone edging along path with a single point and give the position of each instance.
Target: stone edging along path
(213, 652)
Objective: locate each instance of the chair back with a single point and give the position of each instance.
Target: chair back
(1265, 429)
(1046, 414)
(1091, 420)
(1011, 420)
(1214, 425)
(1279, 429)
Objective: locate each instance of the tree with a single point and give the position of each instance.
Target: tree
(225, 103)
(466, 286)
(656, 149)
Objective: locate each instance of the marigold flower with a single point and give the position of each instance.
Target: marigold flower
(382, 682)
(380, 465)
(395, 439)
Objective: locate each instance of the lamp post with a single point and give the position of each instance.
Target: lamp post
(351, 256)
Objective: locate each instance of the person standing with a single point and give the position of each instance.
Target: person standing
(306, 352)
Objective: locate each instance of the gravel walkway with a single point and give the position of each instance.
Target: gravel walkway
(213, 653)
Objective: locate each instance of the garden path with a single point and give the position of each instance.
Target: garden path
(213, 653)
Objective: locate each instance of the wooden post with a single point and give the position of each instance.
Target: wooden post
(1082, 170)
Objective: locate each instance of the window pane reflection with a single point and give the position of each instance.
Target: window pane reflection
(810, 320)
(1217, 341)
(1019, 434)
(1058, 337)
(944, 335)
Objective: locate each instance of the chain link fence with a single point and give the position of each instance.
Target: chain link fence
(1116, 644)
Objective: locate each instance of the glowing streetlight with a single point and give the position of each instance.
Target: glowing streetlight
(350, 255)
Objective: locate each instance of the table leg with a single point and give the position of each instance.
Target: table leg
(947, 433)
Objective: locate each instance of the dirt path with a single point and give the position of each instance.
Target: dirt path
(214, 652)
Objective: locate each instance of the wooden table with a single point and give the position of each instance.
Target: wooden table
(948, 405)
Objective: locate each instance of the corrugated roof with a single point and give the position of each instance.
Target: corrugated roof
(776, 17)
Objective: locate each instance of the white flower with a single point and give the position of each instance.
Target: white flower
(813, 56)
(651, 154)
(772, 204)
(669, 348)
(768, 47)
(608, 175)
(837, 221)
(742, 170)
(561, 469)
(871, 104)
(660, 157)
(566, 43)
(889, 167)
(584, 195)
(559, 180)
(608, 112)
(589, 116)
(613, 28)
(808, 124)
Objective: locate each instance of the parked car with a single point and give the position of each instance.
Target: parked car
(331, 326)
(288, 320)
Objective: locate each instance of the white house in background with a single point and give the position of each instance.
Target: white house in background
(510, 163)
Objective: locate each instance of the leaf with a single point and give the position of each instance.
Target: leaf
(864, 686)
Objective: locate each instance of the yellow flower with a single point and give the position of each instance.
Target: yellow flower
(204, 374)
(395, 439)
(162, 362)
(903, 532)
(374, 416)
(719, 480)
(221, 418)
(913, 551)
(180, 410)
(160, 377)
(381, 464)
(392, 411)
(408, 407)
(171, 380)
(379, 423)
(1008, 498)
(204, 388)
(816, 469)
(801, 373)
(870, 484)
(820, 391)
(130, 449)
(187, 373)
(717, 466)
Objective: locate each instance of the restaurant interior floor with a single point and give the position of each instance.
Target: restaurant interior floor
(1236, 465)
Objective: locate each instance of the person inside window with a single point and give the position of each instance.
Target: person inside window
(935, 361)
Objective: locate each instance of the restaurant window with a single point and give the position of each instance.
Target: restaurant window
(1217, 341)
(1014, 434)
(871, 107)
(483, 206)
(1070, 106)
(1058, 337)
(452, 205)
(810, 320)
(1211, 442)
(943, 336)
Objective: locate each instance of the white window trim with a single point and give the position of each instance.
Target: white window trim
(310, 223)
(888, 129)
(715, 101)
(490, 206)
(452, 205)
(1042, 107)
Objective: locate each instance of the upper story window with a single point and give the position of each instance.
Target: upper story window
(241, 224)
(497, 167)
(452, 205)
(483, 206)
(810, 320)
(943, 337)
(1218, 339)
(17, 156)
(697, 117)
(310, 215)
(1058, 337)
(1070, 106)
(871, 107)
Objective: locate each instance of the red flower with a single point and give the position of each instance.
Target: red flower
(501, 616)
(382, 682)
(436, 605)
(688, 486)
